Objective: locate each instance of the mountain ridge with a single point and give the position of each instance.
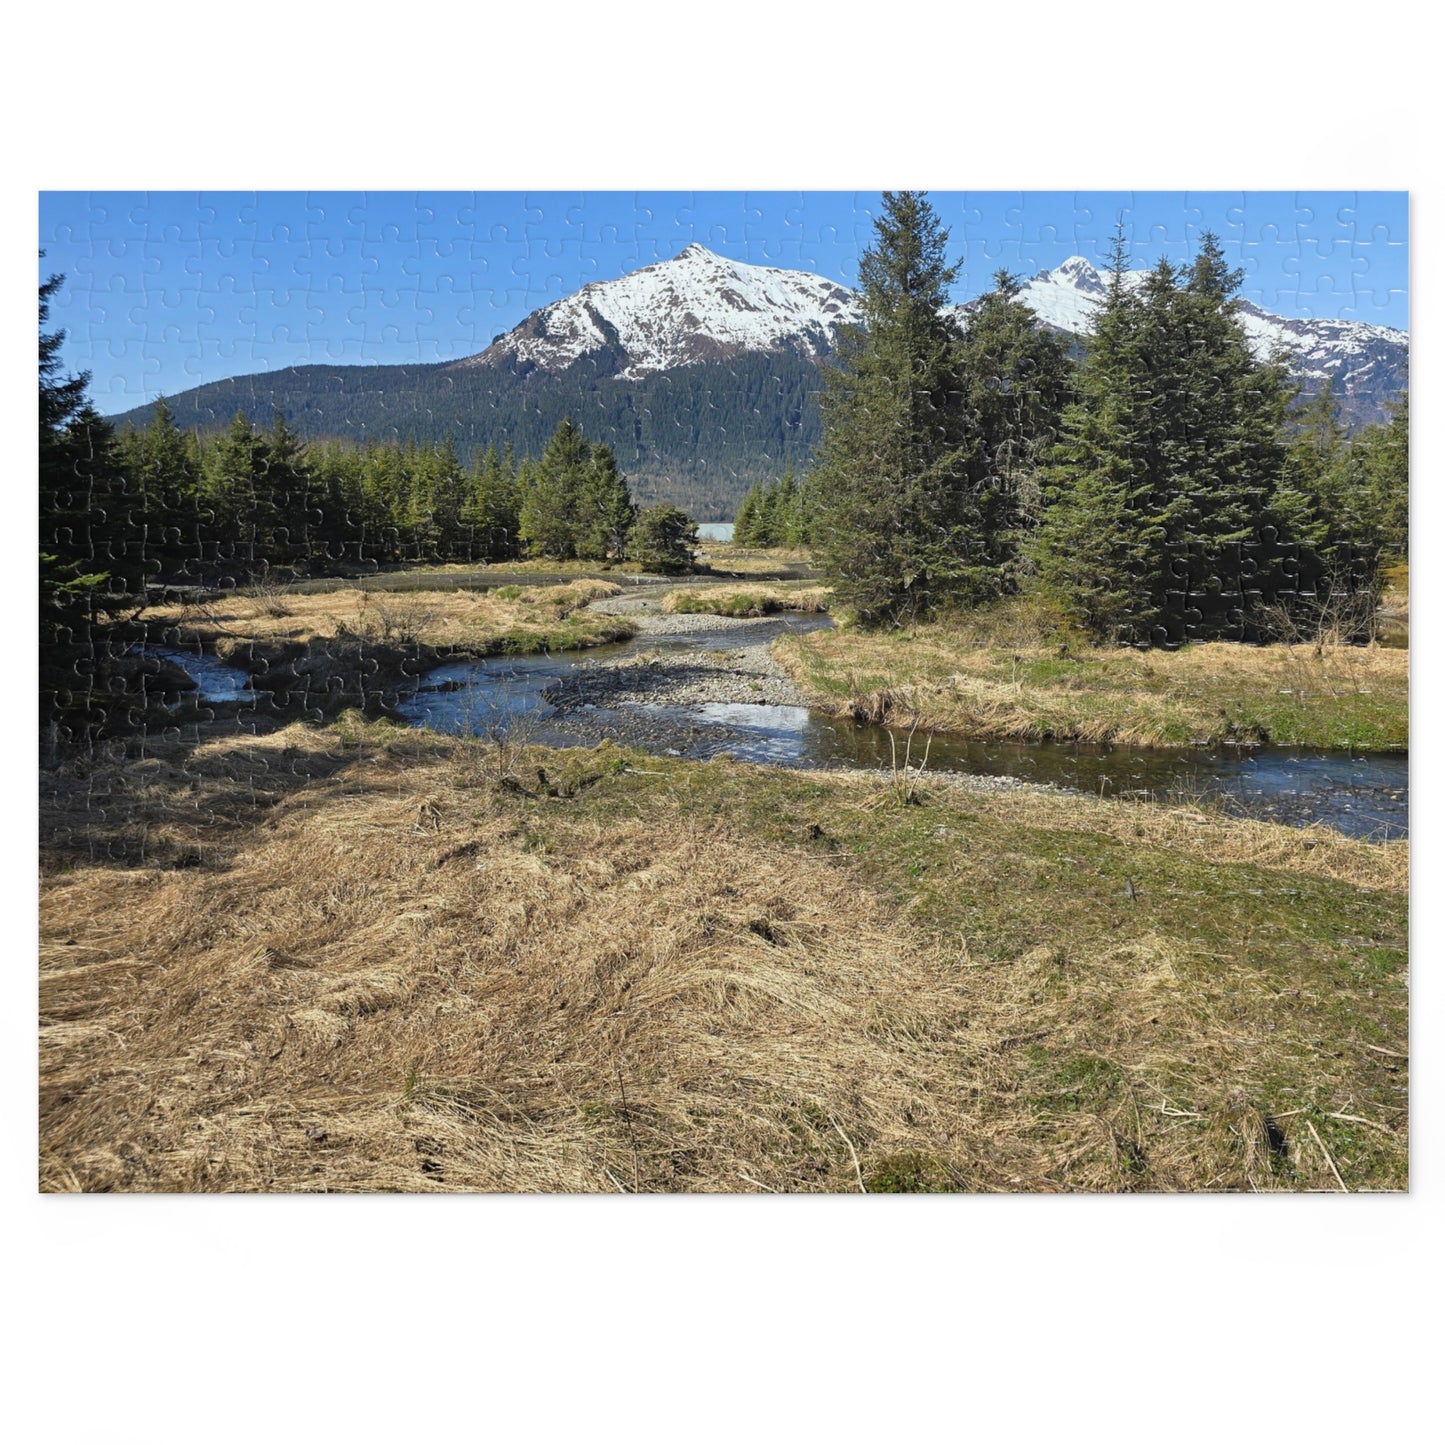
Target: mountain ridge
(700, 373)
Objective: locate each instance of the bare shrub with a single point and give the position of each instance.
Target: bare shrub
(498, 733)
(270, 597)
(393, 620)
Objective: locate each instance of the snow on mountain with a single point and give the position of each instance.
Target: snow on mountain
(700, 306)
(696, 307)
(1367, 364)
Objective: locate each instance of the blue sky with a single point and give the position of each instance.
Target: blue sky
(165, 290)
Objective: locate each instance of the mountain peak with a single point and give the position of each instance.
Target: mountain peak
(696, 306)
(1079, 273)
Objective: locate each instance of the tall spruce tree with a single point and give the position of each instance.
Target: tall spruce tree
(664, 539)
(162, 468)
(900, 534)
(745, 525)
(1013, 384)
(1166, 518)
(1225, 456)
(1388, 475)
(491, 508)
(90, 561)
(551, 499)
(605, 512)
(1098, 550)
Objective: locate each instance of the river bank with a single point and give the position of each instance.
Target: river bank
(331, 958)
(702, 686)
(963, 679)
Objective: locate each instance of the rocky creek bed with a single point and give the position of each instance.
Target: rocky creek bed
(742, 675)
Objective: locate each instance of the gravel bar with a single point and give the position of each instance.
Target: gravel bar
(679, 679)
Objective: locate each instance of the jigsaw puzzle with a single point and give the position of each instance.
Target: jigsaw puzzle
(763, 692)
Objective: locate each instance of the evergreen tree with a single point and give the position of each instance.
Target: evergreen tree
(785, 520)
(161, 466)
(235, 489)
(447, 489)
(491, 510)
(664, 540)
(605, 513)
(345, 523)
(1166, 517)
(551, 501)
(745, 525)
(1363, 500)
(83, 562)
(1013, 384)
(1225, 456)
(285, 504)
(900, 534)
(1318, 441)
(1097, 551)
(1388, 473)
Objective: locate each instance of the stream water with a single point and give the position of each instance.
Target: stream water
(1365, 795)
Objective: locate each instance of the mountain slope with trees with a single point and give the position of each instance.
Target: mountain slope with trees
(702, 375)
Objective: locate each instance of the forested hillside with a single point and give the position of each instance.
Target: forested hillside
(697, 436)
(703, 374)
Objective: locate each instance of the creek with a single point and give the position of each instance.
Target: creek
(1361, 794)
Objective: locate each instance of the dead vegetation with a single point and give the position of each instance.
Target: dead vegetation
(945, 678)
(748, 600)
(360, 958)
(483, 621)
(760, 562)
(315, 654)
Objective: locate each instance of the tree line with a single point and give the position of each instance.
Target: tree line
(1164, 485)
(251, 500)
(777, 514)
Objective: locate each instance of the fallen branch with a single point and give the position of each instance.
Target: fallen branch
(1309, 1124)
(1368, 1123)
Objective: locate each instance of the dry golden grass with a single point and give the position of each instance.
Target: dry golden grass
(347, 959)
(748, 599)
(463, 620)
(752, 561)
(385, 964)
(940, 677)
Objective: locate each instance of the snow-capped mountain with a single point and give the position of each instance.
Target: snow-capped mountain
(700, 373)
(699, 306)
(1366, 364)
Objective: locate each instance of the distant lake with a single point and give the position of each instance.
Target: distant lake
(715, 531)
